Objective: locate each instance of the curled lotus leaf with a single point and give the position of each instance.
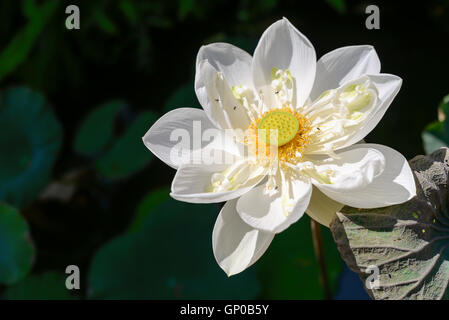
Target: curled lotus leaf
(402, 251)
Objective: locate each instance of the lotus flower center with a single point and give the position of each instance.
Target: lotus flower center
(280, 127)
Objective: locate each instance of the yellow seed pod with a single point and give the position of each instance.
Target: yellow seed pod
(285, 124)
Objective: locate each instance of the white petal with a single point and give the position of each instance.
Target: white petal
(216, 97)
(387, 86)
(322, 208)
(353, 170)
(393, 186)
(233, 62)
(282, 46)
(192, 182)
(275, 211)
(169, 137)
(343, 125)
(236, 245)
(342, 65)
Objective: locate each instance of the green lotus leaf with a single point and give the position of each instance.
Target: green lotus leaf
(408, 243)
(30, 142)
(170, 257)
(128, 155)
(46, 286)
(16, 250)
(98, 128)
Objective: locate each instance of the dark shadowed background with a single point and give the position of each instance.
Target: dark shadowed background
(77, 185)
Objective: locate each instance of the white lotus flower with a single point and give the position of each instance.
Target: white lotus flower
(319, 110)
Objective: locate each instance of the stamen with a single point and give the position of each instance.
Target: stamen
(247, 99)
(282, 85)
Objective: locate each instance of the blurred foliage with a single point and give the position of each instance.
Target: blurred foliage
(289, 268)
(16, 249)
(116, 157)
(168, 257)
(145, 207)
(440, 13)
(128, 154)
(338, 5)
(31, 137)
(436, 134)
(98, 128)
(46, 286)
(20, 45)
(184, 96)
(43, 49)
(181, 263)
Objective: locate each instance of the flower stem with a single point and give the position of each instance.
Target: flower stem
(319, 253)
